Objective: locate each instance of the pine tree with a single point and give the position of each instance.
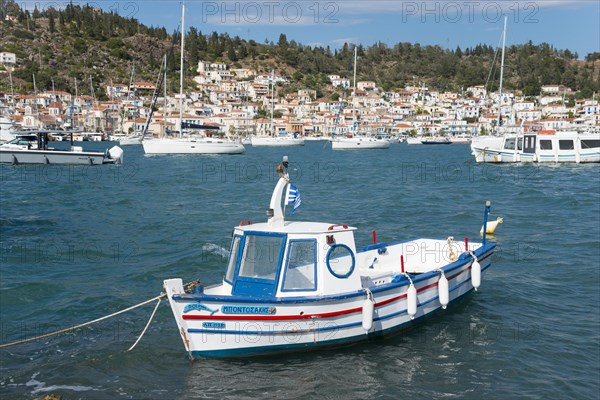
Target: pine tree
(51, 22)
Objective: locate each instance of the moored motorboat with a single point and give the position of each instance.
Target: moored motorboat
(546, 146)
(436, 140)
(292, 286)
(32, 148)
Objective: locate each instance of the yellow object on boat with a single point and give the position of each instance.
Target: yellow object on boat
(491, 226)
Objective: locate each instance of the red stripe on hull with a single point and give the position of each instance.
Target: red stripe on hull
(307, 316)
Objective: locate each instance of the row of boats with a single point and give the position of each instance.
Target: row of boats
(31, 147)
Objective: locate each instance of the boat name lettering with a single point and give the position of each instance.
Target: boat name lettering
(248, 310)
(214, 325)
(199, 307)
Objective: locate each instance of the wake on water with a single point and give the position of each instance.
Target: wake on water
(216, 249)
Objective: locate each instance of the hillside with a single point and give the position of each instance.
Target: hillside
(80, 42)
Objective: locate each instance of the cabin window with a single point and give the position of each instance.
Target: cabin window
(520, 144)
(261, 256)
(545, 144)
(340, 261)
(509, 144)
(590, 144)
(565, 145)
(233, 256)
(301, 269)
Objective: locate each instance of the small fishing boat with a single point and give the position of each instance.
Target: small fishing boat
(292, 286)
(32, 148)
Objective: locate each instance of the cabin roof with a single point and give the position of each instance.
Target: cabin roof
(296, 227)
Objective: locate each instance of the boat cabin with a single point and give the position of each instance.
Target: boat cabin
(25, 141)
(299, 258)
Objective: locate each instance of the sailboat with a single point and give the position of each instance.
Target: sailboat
(189, 145)
(281, 139)
(540, 146)
(357, 140)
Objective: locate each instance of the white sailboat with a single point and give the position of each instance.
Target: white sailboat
(282, 139)
(357, 140)
(183, 144)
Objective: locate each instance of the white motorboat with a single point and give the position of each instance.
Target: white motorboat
(296, 286)
(32, 148)
(542, 146)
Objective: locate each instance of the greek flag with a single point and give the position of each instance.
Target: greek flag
(293, 197)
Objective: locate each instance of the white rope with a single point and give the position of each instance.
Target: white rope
(147, 325)
(84, 324)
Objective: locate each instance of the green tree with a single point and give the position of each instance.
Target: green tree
(51, 26)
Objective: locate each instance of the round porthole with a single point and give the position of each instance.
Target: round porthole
(340, 261)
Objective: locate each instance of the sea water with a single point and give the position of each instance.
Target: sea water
(78, 243)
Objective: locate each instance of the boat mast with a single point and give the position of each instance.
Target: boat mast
(354, 94)
(165, 100)
(272, 101)
(181, 69)
(501, 75)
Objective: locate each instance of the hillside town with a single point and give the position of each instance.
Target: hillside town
(240, 102)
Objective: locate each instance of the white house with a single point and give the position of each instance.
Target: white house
(9, 59)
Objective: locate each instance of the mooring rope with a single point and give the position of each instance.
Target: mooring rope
(187, 286)
(147, 325)
(85, 323)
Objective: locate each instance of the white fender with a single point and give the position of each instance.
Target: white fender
(443, 291)
(476, 274)
(367, 314)
(411, 301)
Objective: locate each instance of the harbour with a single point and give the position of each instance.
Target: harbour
(105, 238)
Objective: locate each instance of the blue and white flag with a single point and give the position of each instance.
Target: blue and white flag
(293, 197)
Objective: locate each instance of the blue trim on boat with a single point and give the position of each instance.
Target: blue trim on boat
(481, 253)
(258, 287)
(340, 246)
(275, 349)
(315, 275)
(327, 328)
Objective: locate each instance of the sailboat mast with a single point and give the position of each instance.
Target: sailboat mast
(165, 100)
(501, 74)
(354, 93)
(181, 69)
(272, 100)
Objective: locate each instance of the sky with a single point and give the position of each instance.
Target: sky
(565, 24)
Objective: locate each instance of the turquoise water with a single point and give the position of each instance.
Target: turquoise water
(78, 243)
